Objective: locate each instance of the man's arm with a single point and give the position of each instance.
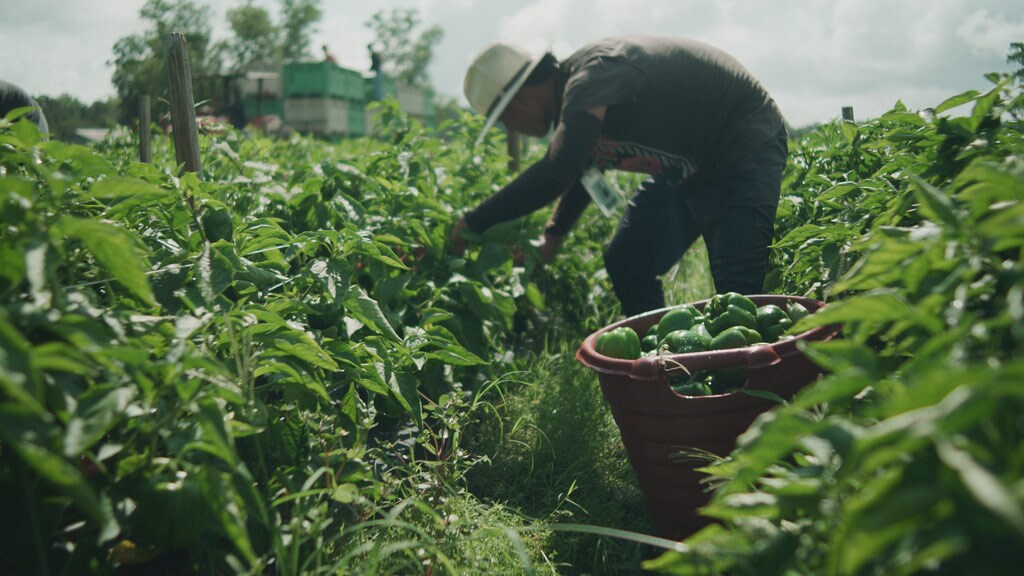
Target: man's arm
(547, 179)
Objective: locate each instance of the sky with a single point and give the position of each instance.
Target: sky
(814, 56)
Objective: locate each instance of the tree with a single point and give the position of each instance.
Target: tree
(298, 17)
(405, 52)
(138, 59)
(65, 114)
(255, 37)
(1016, 56)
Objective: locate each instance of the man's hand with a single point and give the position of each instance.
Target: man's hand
(456, 243)
(547, 245)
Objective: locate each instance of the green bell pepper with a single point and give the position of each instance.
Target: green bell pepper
(687, 341)
(694, 388)
(649, 342)
(732, 315)
(654, 330)
(752, 336)
(681, 318)
(621, 342)
(728, 379)
(720, 302)
(769, 315)
(796, 311)
(732, 337)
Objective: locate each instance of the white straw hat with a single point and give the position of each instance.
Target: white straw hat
(494, 77)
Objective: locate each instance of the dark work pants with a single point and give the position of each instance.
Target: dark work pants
(733, 210)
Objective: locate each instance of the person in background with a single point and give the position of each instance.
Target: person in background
(328, 57)
(12, 97)
(708, 134)
(378, 74)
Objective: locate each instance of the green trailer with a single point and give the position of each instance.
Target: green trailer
(321, 80)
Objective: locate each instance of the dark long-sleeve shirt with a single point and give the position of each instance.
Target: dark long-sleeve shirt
(674, 107)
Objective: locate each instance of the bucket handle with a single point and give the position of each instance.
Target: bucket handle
(653, 367)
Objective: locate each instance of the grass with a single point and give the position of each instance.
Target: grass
(553, 452)
(555, 455)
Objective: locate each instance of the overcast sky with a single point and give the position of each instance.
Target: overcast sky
(815, 56)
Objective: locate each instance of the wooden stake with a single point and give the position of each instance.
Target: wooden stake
(145, 131)
(183, 110)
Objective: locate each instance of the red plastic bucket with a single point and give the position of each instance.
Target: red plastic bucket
(657, 425)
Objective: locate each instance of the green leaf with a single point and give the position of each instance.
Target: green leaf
(878, 306)
(25, 433)
(446, 348)
(359, 305)
(60, 357)
(958, 100)
(121, 187)
(375, 249)
(84, 161)
(97, 412)
(229, 508)
(842, 355)
(405, 388)
(733, 506)
(986, 488)
(306, 349)
(288, 377)
(215, 433)
(764, 395)
(217, 267)
(936, 204)
(20, 378)
(114, 249)
(881, 265)
(984, 107)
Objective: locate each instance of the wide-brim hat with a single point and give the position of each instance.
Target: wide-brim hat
(494, 77)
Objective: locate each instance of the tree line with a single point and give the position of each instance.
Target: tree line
(256, 39)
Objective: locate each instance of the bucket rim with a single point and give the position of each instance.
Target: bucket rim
(652, 368)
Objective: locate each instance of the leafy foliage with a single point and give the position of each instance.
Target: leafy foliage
(266, 367)
(279, 369)
(405, 50)
(906, 458)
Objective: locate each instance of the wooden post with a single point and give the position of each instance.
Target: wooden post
(145, 131)
(848, 113)
(183, 109)
(513, 151)
(259, 97)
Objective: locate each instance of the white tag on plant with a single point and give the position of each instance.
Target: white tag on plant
(605, 195)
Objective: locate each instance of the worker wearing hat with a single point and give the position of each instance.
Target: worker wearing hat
(708, 134)
(13, 97)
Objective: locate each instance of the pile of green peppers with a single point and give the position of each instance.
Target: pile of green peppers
(728, 320)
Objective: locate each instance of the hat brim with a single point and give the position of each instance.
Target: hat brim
(507, 96)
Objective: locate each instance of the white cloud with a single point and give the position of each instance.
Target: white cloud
(538, 26)
(814, 55)
(988, 35)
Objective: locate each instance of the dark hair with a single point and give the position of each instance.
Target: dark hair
(545, 69)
